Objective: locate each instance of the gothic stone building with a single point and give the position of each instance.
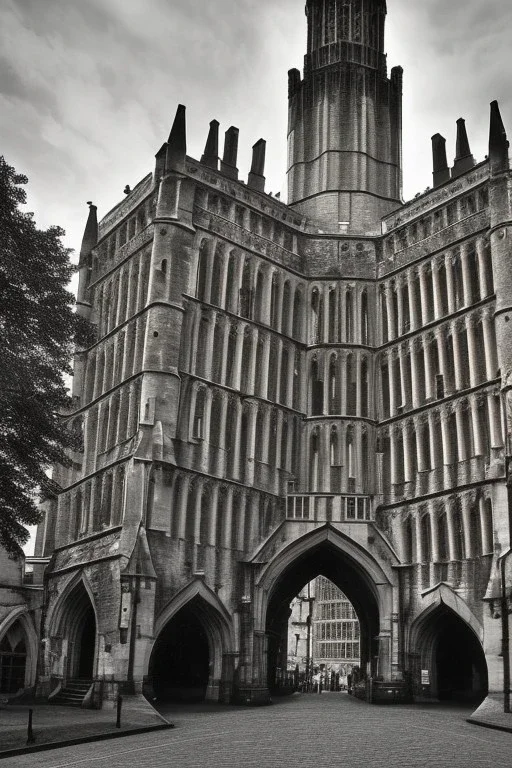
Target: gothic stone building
(278, 392)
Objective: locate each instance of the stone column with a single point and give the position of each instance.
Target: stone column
(420, 554)
(227, 527)
(408, 466)
(424, 295)
(466, 274)
(212, 522)
(207, 417)
(445, 434)
(482, 267)
(252, 361)
(238, 436)
(209, 272)
(395, 458)
(251, 440)
(473, 352)
(443, 360)
(224, 283)
(325, 330)
(491, 362)
(452, 546)
(267, 293)
(357, 363)
(212, 316)
(450, 282)
(393, 405)
(400, 303)
(237, 367)
(466, 524)
(196, 323)
(414, 310)
(196, 510)
(475, 422)
(291, 377)
(461, 442)
(392, 331)
(403, 373)
(420, 448)
(265, 366)
(429, 376)
(280, 297)
(415, 380)
(182, 506)
(438, 304)
(487, 543)
(222, 452)
(494, 421)
(457, 365)
(434, 532)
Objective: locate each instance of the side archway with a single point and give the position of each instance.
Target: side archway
(191, 656)
(73, 624)
(446, 659)
(18, 652)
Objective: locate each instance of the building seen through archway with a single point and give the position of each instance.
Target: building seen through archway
(323, 633)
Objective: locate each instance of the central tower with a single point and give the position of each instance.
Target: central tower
(345, 116)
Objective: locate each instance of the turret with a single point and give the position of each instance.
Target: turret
(441, 171)
(228, 165)
(89, 241)
(256, 178)
(464, 160)
(498, 142)
(345, 119)
(211, 151)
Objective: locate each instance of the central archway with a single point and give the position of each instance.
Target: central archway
(327, 553)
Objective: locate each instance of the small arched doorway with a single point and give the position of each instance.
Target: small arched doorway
(452, 661)
(76, 625)
(13, 660)
(180, 662)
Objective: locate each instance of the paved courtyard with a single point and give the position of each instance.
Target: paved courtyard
(301, 731)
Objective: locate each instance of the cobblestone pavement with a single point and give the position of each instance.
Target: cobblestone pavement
(301, 731)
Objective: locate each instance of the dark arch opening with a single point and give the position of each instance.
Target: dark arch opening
(453, 657)
(461, 669)
(180, 662)
(344, 573)
(87, 642)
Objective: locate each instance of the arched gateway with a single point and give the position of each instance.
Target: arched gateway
(367, 584)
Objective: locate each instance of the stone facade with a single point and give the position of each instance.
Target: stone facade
(278, 392)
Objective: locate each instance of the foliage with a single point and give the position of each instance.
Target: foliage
(38, 334)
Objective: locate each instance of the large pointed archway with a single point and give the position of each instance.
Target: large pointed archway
(327, 552)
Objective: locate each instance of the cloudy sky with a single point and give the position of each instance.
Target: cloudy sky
(89, 88)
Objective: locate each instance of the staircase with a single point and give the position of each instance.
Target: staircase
(73, 694)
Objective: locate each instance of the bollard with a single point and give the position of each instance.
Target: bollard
(119, 706)
(30, 733)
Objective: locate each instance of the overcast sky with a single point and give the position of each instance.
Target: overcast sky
(89, 88)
